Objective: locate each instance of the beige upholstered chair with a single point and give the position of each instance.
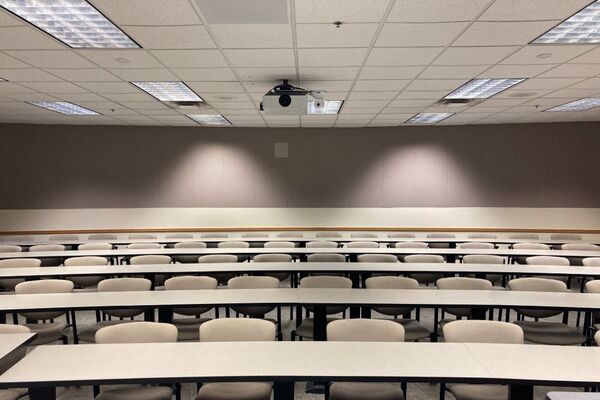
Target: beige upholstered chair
(485, 259)
(363, 235)
(306, 328)
(233, 245)
(413, 329)
(365, 330)
(597, 338)
(333, 257)
(221, 277)
(591, 262)
(476, 245)
(85, 281)
(362, 245)
(401, 235)
(411, 245)
(461, 283)
(138, 236)
(150, 259)
(289, 235)
(527, 246)
(188, 258)
(440, 245)
(321, 244)
(579, 247)
(12, 394)
(95, 246)
(12, 328)
(542, 332)
(103, 236)
(550, 260)
(253, 282)
(179, 236)
(255, 235)
(280, 245)
(329, 235)
(5, 248)
(524, 236)
(9, 284)
(144, 246)
(565, 236)
(377, 258)
(47, 332)
(481, 332)
(236, 330)
(425, 278)
(214, 235)
(482, 236)
(49, 261)
(188, 327)
(281, 258)
(54, 238)
(137, 332)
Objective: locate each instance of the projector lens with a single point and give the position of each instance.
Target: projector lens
(285, 100)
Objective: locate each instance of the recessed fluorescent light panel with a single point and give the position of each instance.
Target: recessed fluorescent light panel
(74, 22)
(583, 27)
(168, 91)
(482, 88)
(330, 107)
(64, 107)
(210, 119)
(579, 105)
(429, 118)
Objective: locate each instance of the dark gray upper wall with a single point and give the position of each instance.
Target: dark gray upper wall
(540, 165)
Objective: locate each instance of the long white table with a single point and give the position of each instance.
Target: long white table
(284, 363)
(13, 347)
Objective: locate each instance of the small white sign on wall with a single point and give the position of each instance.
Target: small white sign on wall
(281, 150)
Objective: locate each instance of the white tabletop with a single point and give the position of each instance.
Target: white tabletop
(11, 344)
(572, 396)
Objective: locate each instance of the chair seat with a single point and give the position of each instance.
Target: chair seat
(479, 392)
(553, 333)
(188, 328)
(89, 335)
(137, 393)
(413, 330)
(47, 333)
(365, 390)
(235, 391)
(306, 328)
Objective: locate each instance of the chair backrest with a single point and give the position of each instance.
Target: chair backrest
(273, 258)
(190, 245)
(441, 236)
(591, 262)
(401, 235)
(253, 282)
(524, 236)
(12, 328)
(580, 247)
(136, 236)
(289, 235)
(537, 285)
(137, 332)
(191, 283)
(530, 246)
(85, 261)
(10, 249)
(363, 245)
(325, 281)
(144, 246)
(103, 236)
(233, 245)
(391, 282)
(255, 235)
(63, 237)
(482, 236)
(461, 283)
(411, 245)
(214, 235)
(387, 258)
(365, 330)
(47, 247)
(328, 235)
(237, 330)
(363, 235)
(321, 244)
(280, 245)
(326, 258)
(476, 331)
(593, 286)
(424, 258)
(476, 245)
(95, 246)
(482, 259)
(565, 236)
(179, 236)
(20, 263)
(150, 259)
(44, 286)
(547, 260)
(597, 338)
(218, 258)
(124, 285)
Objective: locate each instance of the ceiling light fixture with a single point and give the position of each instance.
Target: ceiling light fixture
(210, 119)
(330, 107)
(64, 107)
(168, 91)
(428, 118)
(583, 27)
(76, 23)
(578, 105)
(483, 88)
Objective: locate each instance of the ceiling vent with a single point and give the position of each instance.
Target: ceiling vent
(187, 105)
(457, 102)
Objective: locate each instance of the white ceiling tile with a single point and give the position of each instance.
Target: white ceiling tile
(474, 55)
(572, 93)
(514, 71)
(83, 97)
(550, 54)
(328, 73)
(215, 87)
(109, 87)
(573, 71)
(260, 87)
(593, 57)
(351, 124)
(266, 74)
(84, 75)
(10, 87)
(131, 58)
(118, 97)
(365, 103)
(315, 11)
(452, 72)
(51, 58)
(360, 110)
(243, 113)
(519, 92)
(503, 33)
(496, 102)
(253, 36)
(26, 37)
(328, 86)
(377, 85)
(10, 62)
(260, 57)
(425, 95)
(147, 74)
(417, 35)
(372, 95)
(547, 83)
(403, 56)
(33, 96)
(532, 10)
(26, 75)
(331, 57)
(232, 96)
(390, 72)
(328, 35)
(54, 87)
(233, 105)
(436, 84)
(148, 12)
(317, 121)
(8, 19)
(171, 37)
(190, 58)
(436, 11)
(411, 103)
(356, 117)
(143, 105)
(204, 74)
(592, 83)
(235, 119)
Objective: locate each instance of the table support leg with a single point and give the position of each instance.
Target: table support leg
(520, 392)
(283, 390)
(479, 313)
(2, 317)
(149, 315)
(74, 326)
(320, 323)
(165, 315)
(42, 393)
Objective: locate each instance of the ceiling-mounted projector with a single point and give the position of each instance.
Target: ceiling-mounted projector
(286, 99)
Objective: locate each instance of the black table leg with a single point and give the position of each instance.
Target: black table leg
(165, 315)
(320, 323)
(520, 392)
(149, 315)
(283, 390)
(355, 277)
(74, 327)
(2, 317)
(365, 312)
(42, 393)
(479, 313)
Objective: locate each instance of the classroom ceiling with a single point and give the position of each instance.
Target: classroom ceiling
(389, 60)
